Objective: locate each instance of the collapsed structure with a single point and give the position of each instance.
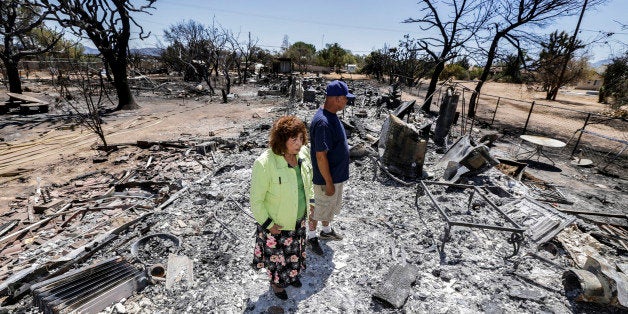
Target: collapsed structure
(424, 228)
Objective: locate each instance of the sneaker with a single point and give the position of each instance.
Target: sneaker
(315, 246)
(283, 295)
(332, 235)
(297, 283)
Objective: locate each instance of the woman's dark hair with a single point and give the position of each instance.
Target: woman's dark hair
(283, 129)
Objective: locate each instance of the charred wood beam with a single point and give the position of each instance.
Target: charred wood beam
(37, 224)
(144, 185)
(8, 226)
(145, 144)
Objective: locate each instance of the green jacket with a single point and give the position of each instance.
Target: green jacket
(274, 192)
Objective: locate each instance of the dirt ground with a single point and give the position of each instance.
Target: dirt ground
(54, 150)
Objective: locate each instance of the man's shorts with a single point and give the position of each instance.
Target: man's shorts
(325, 207)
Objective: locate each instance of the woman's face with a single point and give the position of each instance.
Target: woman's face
(293, 144)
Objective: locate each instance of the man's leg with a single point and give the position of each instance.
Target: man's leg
(334, 209)
(312, 238)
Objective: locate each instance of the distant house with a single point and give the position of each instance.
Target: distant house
(593, 82)
(352, 68)
(282, 65)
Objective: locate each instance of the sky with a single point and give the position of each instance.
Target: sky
(359, 26)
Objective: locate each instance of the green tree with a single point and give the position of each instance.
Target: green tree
(511, 65)
(454, 70)
(301, 54)
(374, 64)
(64, 48)
(474, 73)
(615, 83)
(463, 62)
(332, 56)
(410, 64)
(551, 60)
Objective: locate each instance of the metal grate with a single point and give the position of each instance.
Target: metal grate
(89, 289)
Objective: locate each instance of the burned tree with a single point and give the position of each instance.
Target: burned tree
(107, 23)
(189, 51)
(464, 20)
(18, 19)
(88, 106)
(227, 59)
(511, 16)
(246, 51)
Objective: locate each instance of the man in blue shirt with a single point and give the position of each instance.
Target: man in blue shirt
(330, 162)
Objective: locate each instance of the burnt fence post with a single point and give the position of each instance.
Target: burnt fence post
(495, 113)
(575, 147)
(525, 127)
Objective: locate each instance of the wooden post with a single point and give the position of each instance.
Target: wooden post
(495, 113)
(525, 127)
(573, 152)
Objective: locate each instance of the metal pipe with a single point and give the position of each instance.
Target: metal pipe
(429, 194)
(483, 226)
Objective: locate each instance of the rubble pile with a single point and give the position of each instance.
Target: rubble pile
(479, 241)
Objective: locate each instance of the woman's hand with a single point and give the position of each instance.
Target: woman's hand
(276, 229)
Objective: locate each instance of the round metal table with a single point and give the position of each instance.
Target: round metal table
(539, 143)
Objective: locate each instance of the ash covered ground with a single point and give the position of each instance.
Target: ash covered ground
(384, 223)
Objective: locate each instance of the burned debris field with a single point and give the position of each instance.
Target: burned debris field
(442, 213)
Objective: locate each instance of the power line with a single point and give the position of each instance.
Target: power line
(604, 32)
(278, 18)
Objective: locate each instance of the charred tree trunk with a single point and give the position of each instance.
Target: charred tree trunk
(13, 75)
(552, 92)
(245, 72)
(208, 80)
(432, 87)
(484, 76)
(121, 83)
(227, 81)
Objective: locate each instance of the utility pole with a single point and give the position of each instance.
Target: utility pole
(571, 47)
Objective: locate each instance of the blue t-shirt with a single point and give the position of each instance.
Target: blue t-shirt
(328, 134)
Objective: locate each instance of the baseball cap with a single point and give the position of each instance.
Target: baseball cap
(338, 88)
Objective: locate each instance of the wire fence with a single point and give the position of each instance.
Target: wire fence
(599, 138)
(592, 136)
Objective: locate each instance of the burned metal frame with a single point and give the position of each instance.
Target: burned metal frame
(517, 231)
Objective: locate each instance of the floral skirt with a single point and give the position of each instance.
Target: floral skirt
(283, 255)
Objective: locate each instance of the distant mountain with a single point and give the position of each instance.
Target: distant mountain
(91, 51)
(154, 52)
(601, 63)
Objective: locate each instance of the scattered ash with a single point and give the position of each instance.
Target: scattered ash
(156, 250)
(384, 223)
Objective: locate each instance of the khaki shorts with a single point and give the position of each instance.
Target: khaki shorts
(326, 207)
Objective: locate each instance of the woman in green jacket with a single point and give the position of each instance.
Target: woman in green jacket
(281, 188)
